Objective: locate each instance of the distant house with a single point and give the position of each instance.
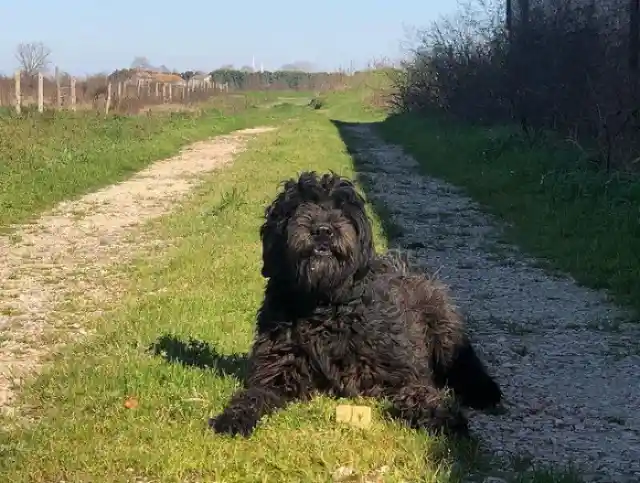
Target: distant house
(199, 80)
(145, 77)
(174, 79)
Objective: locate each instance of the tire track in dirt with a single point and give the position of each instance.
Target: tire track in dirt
(68, 252)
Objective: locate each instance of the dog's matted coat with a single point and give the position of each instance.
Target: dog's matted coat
(339, 319)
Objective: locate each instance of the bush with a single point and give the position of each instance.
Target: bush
(566, 65)
(317, 103)
(280, 79)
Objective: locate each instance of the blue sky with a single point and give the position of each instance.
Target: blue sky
(88, 37)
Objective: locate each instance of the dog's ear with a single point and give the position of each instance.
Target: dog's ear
(355, 205)
(269, 234)
(267, 237)
(365, 234)
(272, 230)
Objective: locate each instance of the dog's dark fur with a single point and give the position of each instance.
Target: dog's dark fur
(339, 319)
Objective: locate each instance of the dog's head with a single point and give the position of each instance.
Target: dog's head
(316, 235)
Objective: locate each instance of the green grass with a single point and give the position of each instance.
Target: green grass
(211, 287)
(176, 343)
(54, 156)
(558, 208)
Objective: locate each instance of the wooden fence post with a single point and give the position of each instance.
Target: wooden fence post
(40, 92)
(58, 89)
(170, 93)
(18, 92)
(157, 89)
(106, 106)
(72, 94)
(164, 91)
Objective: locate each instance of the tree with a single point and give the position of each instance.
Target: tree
(120, 75)
(634, 34)
(33, 57)
(298, 66)
(187, 76)
(140, 62)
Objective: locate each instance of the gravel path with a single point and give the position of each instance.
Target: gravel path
(569, 368)
(66, 255)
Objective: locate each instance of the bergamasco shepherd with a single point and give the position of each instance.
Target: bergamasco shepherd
(339, 319)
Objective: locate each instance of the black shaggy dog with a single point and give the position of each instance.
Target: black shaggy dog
(339, 319)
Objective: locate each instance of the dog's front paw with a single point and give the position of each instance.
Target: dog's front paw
(233, 424)
(431, 409)
(453, 424)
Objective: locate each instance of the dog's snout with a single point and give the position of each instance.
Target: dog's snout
(322, 230)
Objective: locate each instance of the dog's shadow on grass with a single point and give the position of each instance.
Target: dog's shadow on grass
(195, 353)
(199, 354)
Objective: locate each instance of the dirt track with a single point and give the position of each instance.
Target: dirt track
(570, 369)
(67, 255)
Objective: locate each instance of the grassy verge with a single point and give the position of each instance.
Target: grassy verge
(557, 208)
(47, 158)
(207, 289)
(177, 346)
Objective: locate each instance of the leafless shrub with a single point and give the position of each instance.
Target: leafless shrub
(33, 57)
(568, 65)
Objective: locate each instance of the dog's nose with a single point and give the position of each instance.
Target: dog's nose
(322, 230)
